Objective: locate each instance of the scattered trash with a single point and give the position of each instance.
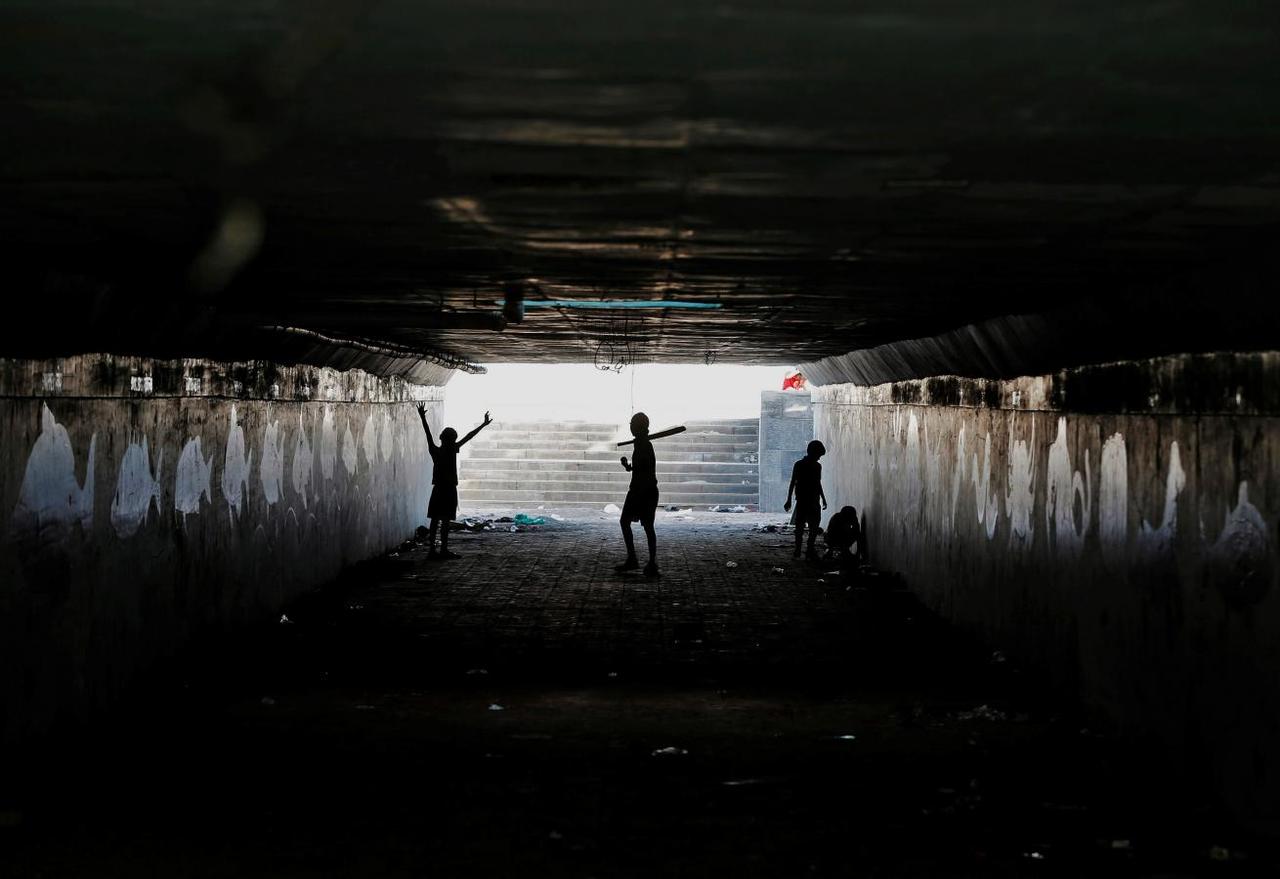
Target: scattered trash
(477, 671)
(822, 582)
(496, 707)
(395, 555)
(845, 738)
(1034, 855)
(982, 712)
(422, 531)
(767, 529)
(729, 508)
(504, 519)
(355, 607)
(731, 564)
(555, 517)
(997, 657)
(670, 751)
(779, 570)
(522, 519)
(612, 509)
(472, 524)
(1222, 853)
(613, 674)
(268, 701)
(513, 529)
(677, 508)
(284, 620)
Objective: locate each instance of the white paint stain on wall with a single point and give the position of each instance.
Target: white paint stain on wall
(369, 440)
(1113, 499)
(1242, 549)
(136, 488)
(1065, 492)
(910, 479)
(1159, 540)
(50, 500)
(986, 500)
(193, 479)
(303, 462)
(1020, 500)
(236, 466)
(271, 470)
(350, 458)
(328, 444)
(387, 444)
(957, 479)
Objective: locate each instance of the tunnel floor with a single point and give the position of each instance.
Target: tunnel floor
(525, 711)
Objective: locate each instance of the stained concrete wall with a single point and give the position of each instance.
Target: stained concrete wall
(142, 501)
(786, 428)
(1114, 527)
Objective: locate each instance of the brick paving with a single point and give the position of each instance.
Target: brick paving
(526, 711)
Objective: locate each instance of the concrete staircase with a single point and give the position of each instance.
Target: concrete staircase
(575, 464)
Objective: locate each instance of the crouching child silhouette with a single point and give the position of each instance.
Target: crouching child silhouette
(842, 533)
(443, 506)
(806, 484)
(642, 497)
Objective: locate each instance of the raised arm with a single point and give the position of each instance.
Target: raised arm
(422, 414)
(466, 439)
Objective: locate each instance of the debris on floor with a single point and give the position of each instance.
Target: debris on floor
(522, 519)
(670, 751)
(779, 570)
(731, 564)
(677, 508)
(982, 712)
(729, 508)
(494, 706)
(612, 509)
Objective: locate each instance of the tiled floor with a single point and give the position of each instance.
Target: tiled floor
(524, 710)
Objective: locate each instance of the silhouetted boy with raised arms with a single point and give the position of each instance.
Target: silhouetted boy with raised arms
(443, 506)
(806, 484)
(642, 496)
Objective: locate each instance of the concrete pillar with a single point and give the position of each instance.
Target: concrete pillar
(786, 427)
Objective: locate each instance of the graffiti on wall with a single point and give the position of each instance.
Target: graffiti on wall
(911, 470)
(137, 489)
(51, 500)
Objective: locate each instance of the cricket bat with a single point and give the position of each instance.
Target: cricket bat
(670, 431)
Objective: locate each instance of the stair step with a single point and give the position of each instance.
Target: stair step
(594, 498)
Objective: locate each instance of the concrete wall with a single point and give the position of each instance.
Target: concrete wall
(786, 428)
(1113, 526)
(142, 501)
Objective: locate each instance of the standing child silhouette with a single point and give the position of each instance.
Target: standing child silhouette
(443, 506)
(642, 497)
(806, 483)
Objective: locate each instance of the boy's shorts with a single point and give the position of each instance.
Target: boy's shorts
(444, 503)
(641, 503)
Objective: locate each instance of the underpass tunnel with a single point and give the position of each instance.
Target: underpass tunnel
(1012, 265)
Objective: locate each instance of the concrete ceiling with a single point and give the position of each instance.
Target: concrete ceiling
(834, 176)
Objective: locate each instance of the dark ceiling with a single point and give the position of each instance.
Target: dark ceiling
(179, 175)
